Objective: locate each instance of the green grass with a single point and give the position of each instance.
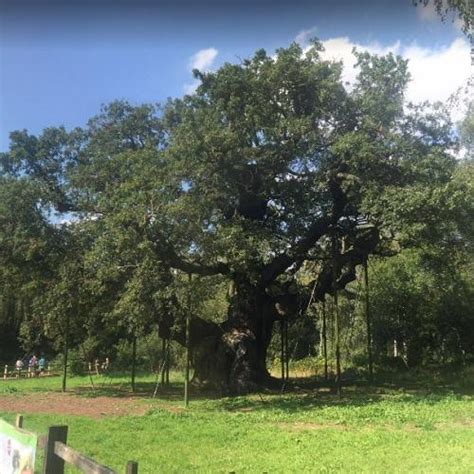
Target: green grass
(390, 427)
(53, 383)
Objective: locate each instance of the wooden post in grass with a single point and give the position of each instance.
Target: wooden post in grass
(132, 467)
(54, 464)
(19, 421)
(5, 372)
(186, 375)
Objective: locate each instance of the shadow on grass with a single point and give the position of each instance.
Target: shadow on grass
(302, 394)
(143, 390)
(427, 387)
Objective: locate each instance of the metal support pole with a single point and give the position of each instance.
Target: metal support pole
(368, 320)
(325, 342)
(335, 262)
(287, 352)
(282, 350)
(188, 316)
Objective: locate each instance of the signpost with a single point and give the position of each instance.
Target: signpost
(17, 450)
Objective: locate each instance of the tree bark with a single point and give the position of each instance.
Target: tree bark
(231, 356)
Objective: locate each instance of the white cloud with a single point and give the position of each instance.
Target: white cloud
(305, 35)
(191, 87)
(436, 73)
(203, 59)
(340, 49)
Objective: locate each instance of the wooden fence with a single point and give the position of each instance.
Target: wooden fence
(10, 372)
(57, 453)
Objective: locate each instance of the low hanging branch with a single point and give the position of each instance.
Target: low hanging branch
(169, 256)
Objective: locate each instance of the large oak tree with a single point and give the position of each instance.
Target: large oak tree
(272, 163)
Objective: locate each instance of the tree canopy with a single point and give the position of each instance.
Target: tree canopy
(270, 165)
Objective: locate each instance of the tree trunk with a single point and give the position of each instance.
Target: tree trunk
(232, 356)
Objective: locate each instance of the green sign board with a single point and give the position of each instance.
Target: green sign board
(17, 450)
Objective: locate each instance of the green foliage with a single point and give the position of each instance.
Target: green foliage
(422, 300)
(77, 364)
(149, 356)
(246, 180)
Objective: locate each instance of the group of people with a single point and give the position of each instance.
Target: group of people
(35, 366)
(100, 367)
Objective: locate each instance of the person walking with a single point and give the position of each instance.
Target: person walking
(18, 367)
(42, 365)
(32, 365)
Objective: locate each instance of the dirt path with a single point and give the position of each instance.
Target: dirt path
(71, 404)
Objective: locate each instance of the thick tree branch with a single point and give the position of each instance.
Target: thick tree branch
(346, 264)
(280, 263)
(167, 253)
(300, 250)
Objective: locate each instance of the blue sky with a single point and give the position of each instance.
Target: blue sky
(59, 61)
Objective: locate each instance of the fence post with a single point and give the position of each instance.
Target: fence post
(19, 421)
(5, 372)
(54, 464)
(132, 467)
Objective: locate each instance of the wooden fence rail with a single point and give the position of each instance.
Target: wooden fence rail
(57, 453)
(10, 372)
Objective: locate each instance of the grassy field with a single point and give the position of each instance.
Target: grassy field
(416, 424)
